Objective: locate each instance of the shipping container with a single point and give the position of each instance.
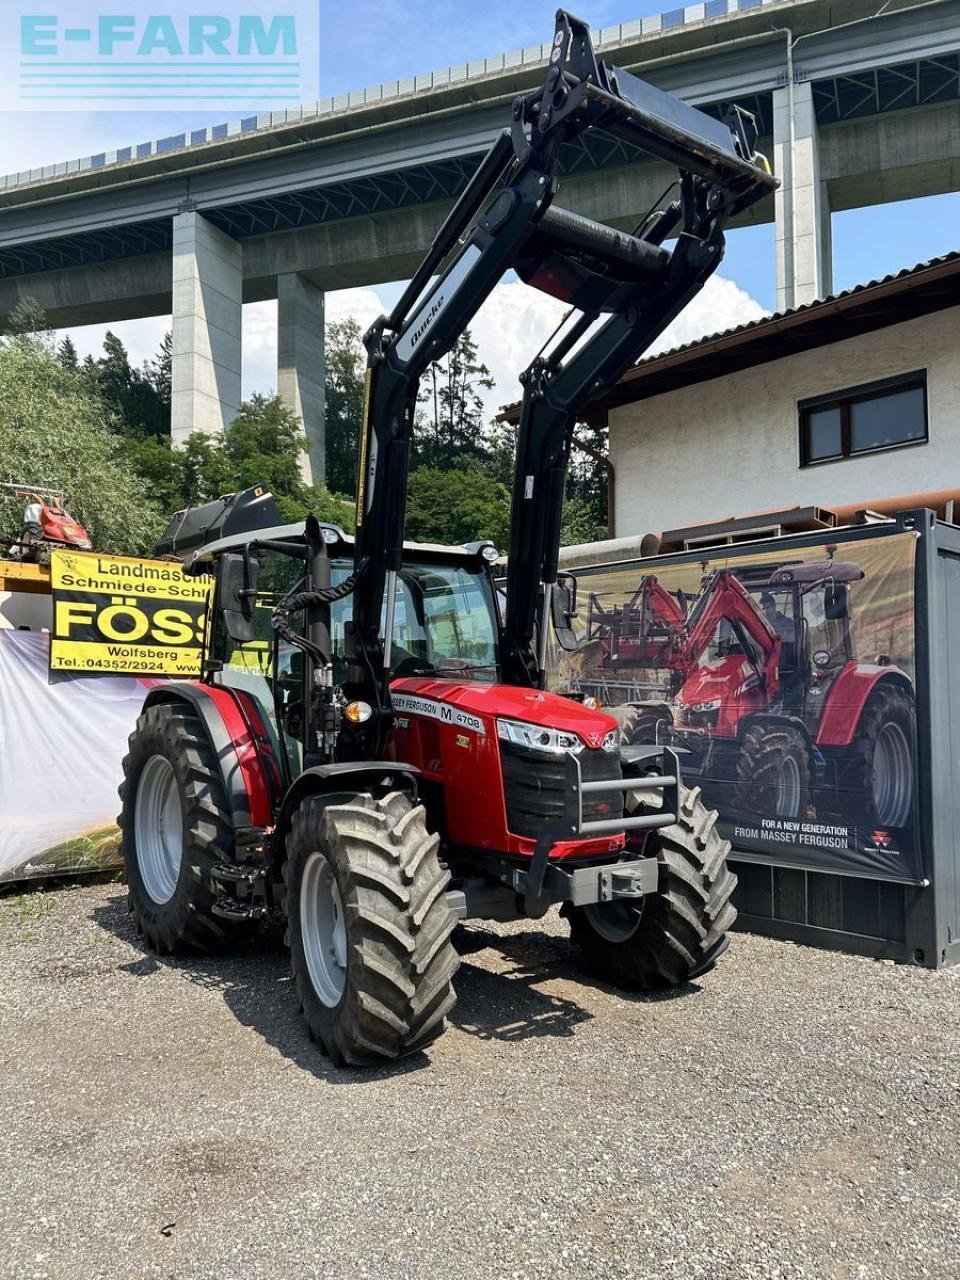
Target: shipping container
(811, 685)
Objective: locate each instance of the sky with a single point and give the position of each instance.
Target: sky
(369, 41)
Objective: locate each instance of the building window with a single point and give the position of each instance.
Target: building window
(879, 415)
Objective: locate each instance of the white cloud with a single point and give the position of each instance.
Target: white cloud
(509, 330)
(721, 304)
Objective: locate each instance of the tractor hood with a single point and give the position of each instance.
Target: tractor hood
(511, 703)
(718, 681)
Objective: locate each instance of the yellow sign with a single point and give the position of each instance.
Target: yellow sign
(123, 615)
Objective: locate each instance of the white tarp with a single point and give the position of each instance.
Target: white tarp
(61, 747)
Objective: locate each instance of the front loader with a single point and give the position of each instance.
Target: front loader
(371, 753)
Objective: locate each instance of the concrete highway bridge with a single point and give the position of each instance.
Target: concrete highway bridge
(856, 106)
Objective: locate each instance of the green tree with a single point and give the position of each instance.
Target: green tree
(67, 354)
(456, 506)
(450, 406)
(55, 430)
(160, 467)
(264, 443)
(346, 362)
(139, 398)
(587, 477)
(27, 317)
(579, 523)
(261, 446)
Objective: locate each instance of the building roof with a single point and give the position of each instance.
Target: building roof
(915, 291)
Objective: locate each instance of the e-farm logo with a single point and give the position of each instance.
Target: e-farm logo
(235, 55)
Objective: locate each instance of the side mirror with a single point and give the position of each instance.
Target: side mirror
(563, 607)
(237, 576)
(835, 601)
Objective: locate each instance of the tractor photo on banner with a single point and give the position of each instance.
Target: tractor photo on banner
(117, 614)
(786, 679)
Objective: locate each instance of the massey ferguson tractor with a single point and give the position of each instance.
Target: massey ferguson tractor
(767, 696)
(370, 753)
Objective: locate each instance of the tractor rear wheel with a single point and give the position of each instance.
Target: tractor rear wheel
(369, 926)
(880, 774)
(678, 933)
(175, 826)
(774, 772)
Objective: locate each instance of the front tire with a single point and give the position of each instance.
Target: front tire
(643, 725)
(774, 772)
(678, 933)
(369, 926)
(175, 825)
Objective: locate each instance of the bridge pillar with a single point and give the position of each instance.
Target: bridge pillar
(207, 327)
(300, 365)
(802, 209)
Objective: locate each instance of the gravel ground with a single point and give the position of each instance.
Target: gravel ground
(793, 1114)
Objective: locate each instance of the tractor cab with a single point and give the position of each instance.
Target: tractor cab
(445, 622)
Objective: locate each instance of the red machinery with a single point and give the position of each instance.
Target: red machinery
(45, 525)
(389, 766)
(769, 697)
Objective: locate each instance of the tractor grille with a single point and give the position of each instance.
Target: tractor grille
(534, 787)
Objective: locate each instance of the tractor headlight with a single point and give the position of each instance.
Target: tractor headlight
(537, 737)
(700, 707)
(612, 741)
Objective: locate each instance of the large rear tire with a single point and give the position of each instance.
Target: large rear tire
(879, 778)
(175, 826)
(369, 926)
(774, 772)
(678, 933)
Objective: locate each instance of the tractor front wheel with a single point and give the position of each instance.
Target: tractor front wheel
(643, 725)
(175, 826)
(369, 926)
(774, 772)
(678, 933)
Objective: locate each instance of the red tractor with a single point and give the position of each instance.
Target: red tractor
(370, 753)
(768, 698)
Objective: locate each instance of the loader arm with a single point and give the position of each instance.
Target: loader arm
(725, 599)
(505, 219)
(558, 387)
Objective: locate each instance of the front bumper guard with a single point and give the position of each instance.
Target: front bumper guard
(609, 881)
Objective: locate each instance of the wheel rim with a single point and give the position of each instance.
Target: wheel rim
(788, 789)
(614, 921)
(158, 829)
(323, 929)
(892, 775)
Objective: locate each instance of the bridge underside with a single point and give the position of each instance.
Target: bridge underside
(842, 143)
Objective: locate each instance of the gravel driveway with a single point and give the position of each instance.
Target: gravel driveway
(793, 1114)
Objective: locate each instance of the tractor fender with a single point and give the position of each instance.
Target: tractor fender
(332, 778)
(848, 696)
(228, 730)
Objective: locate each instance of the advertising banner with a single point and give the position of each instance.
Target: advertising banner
(61, 748)
(114, 614)
(787, 681)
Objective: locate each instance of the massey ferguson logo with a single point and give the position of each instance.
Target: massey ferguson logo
(410, 704)
(594, 739)
(881, 839)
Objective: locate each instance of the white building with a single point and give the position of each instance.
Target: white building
(844, 403)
